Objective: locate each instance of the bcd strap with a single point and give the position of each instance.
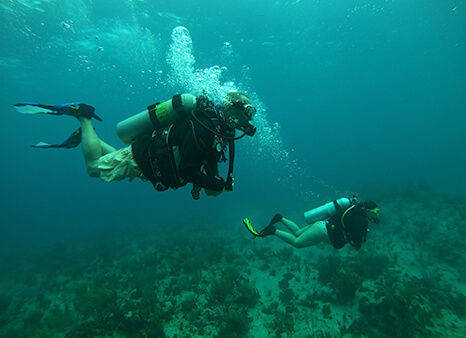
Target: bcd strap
(163, 162)
(337, 206)
(171, 154)
(153, 115)
(229, 181)
(177, 104)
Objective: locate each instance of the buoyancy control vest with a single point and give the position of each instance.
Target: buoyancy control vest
(158, 153)
(346, 222)
(348, 226)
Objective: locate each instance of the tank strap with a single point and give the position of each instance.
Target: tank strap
(336, 205)
(153, 116)
(177, 104)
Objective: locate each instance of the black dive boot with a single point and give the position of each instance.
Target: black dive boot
(267, 231)
(270, 229)
(277, 218)
(79, 110)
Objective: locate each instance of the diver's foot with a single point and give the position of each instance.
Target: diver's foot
(76, 109)
(277, 218)
(79, 110)
(267, 231)
(72, 141)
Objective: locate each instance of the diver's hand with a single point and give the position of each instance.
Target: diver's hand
(229, 184)
(215, 192)
(196, 192)
(212, 192)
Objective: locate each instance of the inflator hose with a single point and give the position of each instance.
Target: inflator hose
(229, 181)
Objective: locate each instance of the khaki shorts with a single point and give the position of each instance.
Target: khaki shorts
(118, 165)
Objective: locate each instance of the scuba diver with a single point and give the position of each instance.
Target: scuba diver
(339, 222)
(173, 143)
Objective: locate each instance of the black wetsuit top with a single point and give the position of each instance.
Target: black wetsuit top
(354, 231)
(198, 156)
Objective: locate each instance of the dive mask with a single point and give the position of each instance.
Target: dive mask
(248, 109)
(372, 215)
(245, 113)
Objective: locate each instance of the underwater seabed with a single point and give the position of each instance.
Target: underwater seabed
(408, 280)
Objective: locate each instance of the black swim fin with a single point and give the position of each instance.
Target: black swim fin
(76, 109)
(72, 141)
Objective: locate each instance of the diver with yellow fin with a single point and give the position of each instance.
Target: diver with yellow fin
(338, 222)
(172, 143)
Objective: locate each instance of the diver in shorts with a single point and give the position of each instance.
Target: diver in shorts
(170, 144)
(338, 222)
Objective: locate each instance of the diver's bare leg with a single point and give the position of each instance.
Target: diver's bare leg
(312, 236)
(292, 226)
(93, 147)
(286, 237)
(106, 148)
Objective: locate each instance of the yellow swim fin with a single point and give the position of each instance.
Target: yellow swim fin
(248, 225)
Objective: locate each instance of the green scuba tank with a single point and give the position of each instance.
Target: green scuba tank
(156, 116)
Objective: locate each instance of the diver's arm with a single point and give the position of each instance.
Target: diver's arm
(196, 177)
(211, 169)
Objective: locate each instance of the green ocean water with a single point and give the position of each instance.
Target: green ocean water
(354, 97)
